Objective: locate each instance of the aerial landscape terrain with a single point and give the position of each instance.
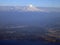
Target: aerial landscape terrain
(29, 24)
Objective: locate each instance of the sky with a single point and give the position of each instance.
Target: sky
(40, 3)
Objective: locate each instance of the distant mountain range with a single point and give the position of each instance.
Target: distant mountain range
(28, 8)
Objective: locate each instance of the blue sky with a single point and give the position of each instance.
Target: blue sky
(40, 3)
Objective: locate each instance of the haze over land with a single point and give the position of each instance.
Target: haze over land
(18, 21)
(29, 22)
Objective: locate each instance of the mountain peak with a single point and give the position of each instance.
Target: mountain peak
(31, 8)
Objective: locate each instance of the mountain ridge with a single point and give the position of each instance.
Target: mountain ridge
(30, 9)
